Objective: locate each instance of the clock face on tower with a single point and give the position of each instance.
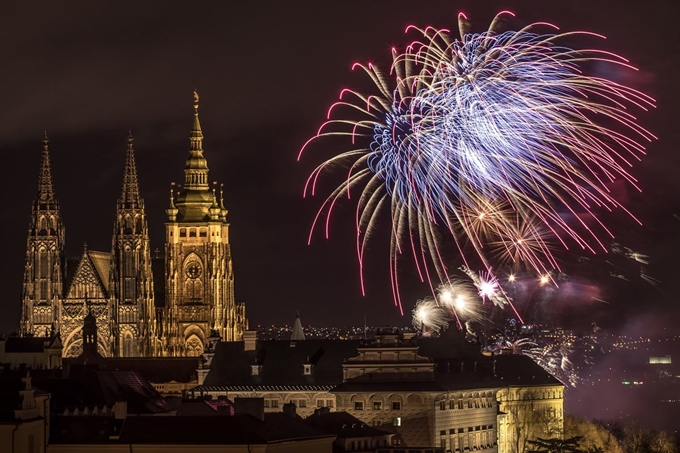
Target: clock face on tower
(193, 270)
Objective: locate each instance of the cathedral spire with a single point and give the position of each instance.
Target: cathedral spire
(45, 190)
(130, 195)
(196, 168)
(196, 136)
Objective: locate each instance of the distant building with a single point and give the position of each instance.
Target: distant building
(143, 306)
(31, 352)
(298, 332)
(426, 392)
(24, 415)
(665, 360)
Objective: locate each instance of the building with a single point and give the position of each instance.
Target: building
(24, 415)
(426, 392)
(31, 352)
(142, 306)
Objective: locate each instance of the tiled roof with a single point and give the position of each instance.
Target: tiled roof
(343, 425)
(263, 388)
(155, 369)
(281, 363)
(458, 365)
(88, 386)
(27, 344)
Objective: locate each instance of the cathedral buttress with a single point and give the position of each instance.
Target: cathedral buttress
(199, 277)
(132, 278)
(45, 265)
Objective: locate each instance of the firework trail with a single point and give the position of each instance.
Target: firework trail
(497, 141)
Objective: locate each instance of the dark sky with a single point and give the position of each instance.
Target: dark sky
(266, 73)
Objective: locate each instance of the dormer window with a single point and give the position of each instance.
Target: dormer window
(255, 370)
(307, 369)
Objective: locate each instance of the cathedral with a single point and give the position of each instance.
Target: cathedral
(142, 305)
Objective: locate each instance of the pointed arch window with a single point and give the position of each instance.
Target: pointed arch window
(43, 273)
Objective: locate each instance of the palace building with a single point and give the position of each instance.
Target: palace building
(143, 306)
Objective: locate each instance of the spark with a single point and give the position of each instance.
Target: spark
(498, 140)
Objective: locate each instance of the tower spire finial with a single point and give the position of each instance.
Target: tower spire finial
(130, 194)
(45, 190)
(196, 132)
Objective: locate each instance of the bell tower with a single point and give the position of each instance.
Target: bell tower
(132, 278)
(45, 265)
(199, 277)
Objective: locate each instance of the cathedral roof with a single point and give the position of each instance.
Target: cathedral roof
(92, 265)
(158, 271)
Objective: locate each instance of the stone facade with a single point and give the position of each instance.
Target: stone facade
(427, 392)
(118, 287)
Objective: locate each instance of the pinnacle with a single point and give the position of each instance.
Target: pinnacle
(45, 190)
(130, 194)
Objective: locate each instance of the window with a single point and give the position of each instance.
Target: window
(329, 403)
(358, 405)
(319, 403)
(182, 232)
(192, 233)
(442, 405)
(396, 405)
(275, 403)
(377, 422)
(396, 421)
(452, 404)
(203, 233)
(377, 405)
(302, 403)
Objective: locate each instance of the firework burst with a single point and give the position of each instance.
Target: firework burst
(497, 141)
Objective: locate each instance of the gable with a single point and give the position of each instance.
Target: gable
(87, 280)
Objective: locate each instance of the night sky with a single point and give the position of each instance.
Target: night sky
(266, 73)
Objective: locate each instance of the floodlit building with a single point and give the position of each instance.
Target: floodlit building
(426, 392)
(143, 306)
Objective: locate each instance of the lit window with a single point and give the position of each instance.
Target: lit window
(396, 421)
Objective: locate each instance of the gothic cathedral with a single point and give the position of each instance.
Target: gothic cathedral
(143, 305)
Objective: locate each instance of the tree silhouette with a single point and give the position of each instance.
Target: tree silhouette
(570, 445)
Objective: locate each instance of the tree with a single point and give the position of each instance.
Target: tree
(596, 437)
(557, 445)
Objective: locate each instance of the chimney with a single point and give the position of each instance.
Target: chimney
(290, 410)
(250, 406)
(249, 340)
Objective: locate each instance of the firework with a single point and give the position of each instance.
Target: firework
(428, 317)
(554, 358)
(498, 141)
(459, 299)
